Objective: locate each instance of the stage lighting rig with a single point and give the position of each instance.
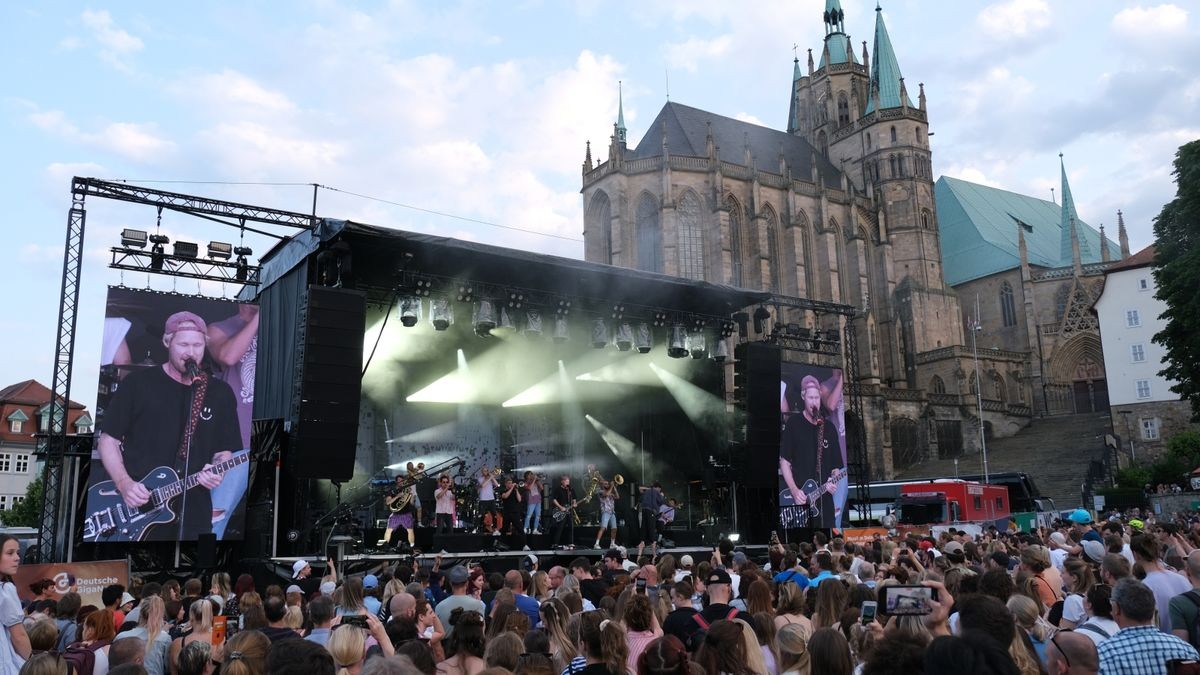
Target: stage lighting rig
(697, 345)
(624, 336)
(422, 287)
(564, 307)
(677, 341)
(516, 299)
(410, 311)
(660, 319)
(761, 316)
(219, 250)
(727, 328)
(441, 313)
(562, 329)
(743, 321)
(187, 249)
(465, 293)
(721, 352)
(133, 238)
(533, 323)
(599, 333)
(643, 338)
(484, 317)
(618, 312)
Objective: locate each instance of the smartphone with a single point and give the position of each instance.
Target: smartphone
(867, 615)
(908, 600)
(641, 585)
(359, 620)
(218, 630)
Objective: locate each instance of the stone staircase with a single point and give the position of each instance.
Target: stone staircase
(1054, 451)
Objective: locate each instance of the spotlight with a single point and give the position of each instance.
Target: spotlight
(186, 249)
(242, 251)
(484, 317)
(219, 249)
(643, 338)
(133, 238)
(677, 342)
(410, 310)
(743, 320)
(727, 328)
(660, 319)
(243, 269)
(533, 323)
(618, 312)
(721, 352)
(697, 346)
(465, 293)
(441, 314)
(562, 329)
(506, 326)
(515, 299)
(761, 315)
(423, 287)
(159, 239)
(599, 334)
(624, 337)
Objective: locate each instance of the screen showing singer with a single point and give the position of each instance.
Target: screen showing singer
(812, 450)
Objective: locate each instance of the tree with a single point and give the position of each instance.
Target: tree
(1177, 275)
(29, 512)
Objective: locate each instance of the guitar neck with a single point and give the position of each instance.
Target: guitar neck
(183, 485)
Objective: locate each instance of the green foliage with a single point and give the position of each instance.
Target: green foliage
(29, 512)
(1134, 477)
(1185, 446)
(1177, 275)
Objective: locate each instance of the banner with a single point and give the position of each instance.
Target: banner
(87, 579)
(173, 413)
(812, 450)
(864, 535)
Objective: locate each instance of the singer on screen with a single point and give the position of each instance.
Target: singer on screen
(177, 417)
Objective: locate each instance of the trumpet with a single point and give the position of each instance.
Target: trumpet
(415, 470)
(494, 471)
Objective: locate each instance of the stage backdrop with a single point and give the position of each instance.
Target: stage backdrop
(161, 426)
(812, 447)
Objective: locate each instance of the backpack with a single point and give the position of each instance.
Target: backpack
(1194, 629)
(697, 637)
(81, 659)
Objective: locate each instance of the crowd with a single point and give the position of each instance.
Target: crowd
(1122, 596)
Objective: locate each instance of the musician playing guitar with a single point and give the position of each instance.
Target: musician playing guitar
(562, 500)
(809, 449)
(172, 416)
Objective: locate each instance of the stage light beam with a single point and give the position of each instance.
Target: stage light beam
(705, 410)
(454, 387)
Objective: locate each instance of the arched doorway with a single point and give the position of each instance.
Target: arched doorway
(1090, 387)
(906, 443)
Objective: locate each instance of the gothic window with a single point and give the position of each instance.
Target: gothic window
(893, 134)
(937, 385)
(691, 238)
(892, 161)
(649, 235)
(925, 218)
(900, 161)
(772, 251)
(843, 108)
(1008, 311)
(868, 141)
(997, 387)
(735, 241)
(823, 142)
(920, 135)
(1061, 296)
(599, 221)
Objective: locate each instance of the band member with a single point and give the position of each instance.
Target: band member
(652, 500)
(402, 501)
(607, 495)
(666, 516)
(563, 501)
(443, 496)
(533, 503)
(809, 450)
(487, 499)
(513, 503)
(153, 421)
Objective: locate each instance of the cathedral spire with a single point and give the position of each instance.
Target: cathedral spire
(793, 110)
(834, 17)
(1122, 235)
(1104, 254)
(587, 158)
(838, 48)
(620, 126)
(885, 70)
(1069, 238)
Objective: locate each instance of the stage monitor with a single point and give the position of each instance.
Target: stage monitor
(812, 447)
(173, 416)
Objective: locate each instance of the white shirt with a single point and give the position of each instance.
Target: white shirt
(10, 615)
(1057, 556)
(487, 490)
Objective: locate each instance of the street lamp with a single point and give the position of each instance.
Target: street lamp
(975, 328)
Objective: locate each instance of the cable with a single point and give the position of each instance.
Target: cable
(395, 299)
(450, 215)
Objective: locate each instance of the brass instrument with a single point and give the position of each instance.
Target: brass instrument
(401, 500)
(593, 478)
(618, 479)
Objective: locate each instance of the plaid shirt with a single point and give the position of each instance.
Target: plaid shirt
(1141, 650)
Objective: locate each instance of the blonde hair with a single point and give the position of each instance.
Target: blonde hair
(246, 653)
(348, 645)
(151, 617)
(754, 655)
(541, 585)
(201, 616)
(792, 643)
(293, 617)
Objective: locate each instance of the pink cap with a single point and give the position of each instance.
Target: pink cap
(184, 321)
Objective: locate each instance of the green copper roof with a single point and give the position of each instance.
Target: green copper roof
(793, 121)
(885, 70)
(1067, 213)
(840, 49)
(978, 227)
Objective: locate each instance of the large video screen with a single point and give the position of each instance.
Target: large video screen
(173, 412)
(812, 447)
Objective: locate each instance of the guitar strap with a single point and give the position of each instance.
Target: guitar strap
(199, 390)
(820, 447)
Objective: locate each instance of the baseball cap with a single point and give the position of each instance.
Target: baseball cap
(293, 589)
(298, 567)
(181, 320)
(328, 587)
(739, 558)
(370, 581)
(1093, 550)
(952, 547)
(925, 545)
(1058, 538)
(686, 561)
(458, 575)
(718, 576)
(1080, 517)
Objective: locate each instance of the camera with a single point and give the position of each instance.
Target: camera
(359, 620)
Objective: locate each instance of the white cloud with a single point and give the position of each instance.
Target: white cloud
(694, 52)
(230, 91)
(747, 117)
(139, 142)
(115, 42)
(972, 174)
(1150, 23)
(251, 150)
(1014, 19)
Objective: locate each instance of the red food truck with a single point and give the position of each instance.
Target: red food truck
(951, 502)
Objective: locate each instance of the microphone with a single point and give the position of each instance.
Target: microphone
(193, 370)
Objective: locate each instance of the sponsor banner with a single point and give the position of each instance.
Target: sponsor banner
(87, 579)
(864, 535)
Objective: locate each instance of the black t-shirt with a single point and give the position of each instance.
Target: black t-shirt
(563, 495)
(593, 589)
(512, 504)
(715, 613)
(148, 414)
(799, 448)
(681, 624)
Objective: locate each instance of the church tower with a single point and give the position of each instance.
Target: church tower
(833, 94)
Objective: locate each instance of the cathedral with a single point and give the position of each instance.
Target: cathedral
(842, 206)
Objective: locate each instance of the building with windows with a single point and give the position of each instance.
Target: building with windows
(25, 411)
(842, 206)
(1145, 412)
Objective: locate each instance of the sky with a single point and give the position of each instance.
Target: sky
(469, 119)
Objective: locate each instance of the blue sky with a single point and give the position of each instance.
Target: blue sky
(482, 109)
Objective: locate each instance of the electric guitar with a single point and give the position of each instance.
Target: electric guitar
(117, 521)
(798, 515)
